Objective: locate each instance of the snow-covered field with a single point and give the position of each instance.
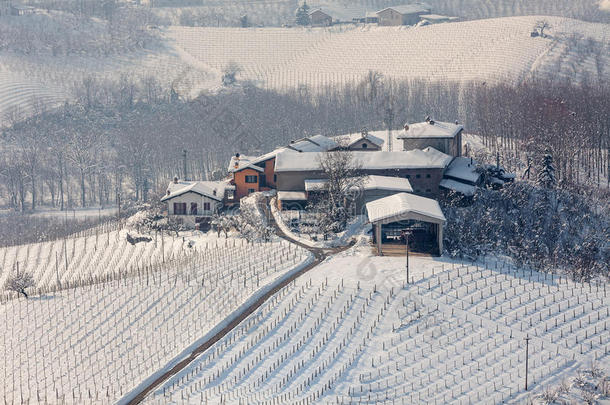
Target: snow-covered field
(192, 59)
(92, 344)
(498, 49)
(28, 81)
(352, 331)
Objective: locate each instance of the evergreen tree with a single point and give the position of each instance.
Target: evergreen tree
(302, 14)
(546, 174)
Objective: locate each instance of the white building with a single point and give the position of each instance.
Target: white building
(194, 202)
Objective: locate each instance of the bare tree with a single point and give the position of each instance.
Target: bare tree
(19, 282)
(343, 186)
(540, 26)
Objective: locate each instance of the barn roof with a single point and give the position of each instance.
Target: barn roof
(369, 183)
(428, 158)
(404, 206)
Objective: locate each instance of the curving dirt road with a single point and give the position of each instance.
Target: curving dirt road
(320, 254)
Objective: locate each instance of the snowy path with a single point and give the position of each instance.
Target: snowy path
(237, 317)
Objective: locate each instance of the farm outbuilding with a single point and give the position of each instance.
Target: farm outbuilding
(319, 18)
(392, 216)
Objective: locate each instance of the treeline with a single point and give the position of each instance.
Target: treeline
(548, 229)
(127, 138)
(124, 29)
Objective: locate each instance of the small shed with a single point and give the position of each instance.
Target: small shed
(391, 216)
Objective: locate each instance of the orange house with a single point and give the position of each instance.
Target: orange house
(252, 174)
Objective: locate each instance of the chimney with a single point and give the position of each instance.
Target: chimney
(236, 161)
(364, 133)
(427, 118)
(406, 126)
(214, 192)
(176, 180)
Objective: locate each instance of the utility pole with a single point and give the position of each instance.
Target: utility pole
(184, 162)
(407, 234)
(527, 346)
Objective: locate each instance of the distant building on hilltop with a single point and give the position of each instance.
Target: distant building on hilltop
(408, 14)
(319, 18)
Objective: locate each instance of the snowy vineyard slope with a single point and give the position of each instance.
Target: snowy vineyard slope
(349, 332)
(495, 49)
(50, 81)
(92, 344)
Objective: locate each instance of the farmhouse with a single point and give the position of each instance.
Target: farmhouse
(408, 14)
(253, 174)
(194, 202)
(319, 18)
(392, 217)
(423, 168)
(442, 136)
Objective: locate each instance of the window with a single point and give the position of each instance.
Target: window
(364, 146)
(251, 190)
(408, 176)
(274, 178)
(251, 179)
(179, 208)
(193, 208)
(206, 206)
(428, 176)
(230, 194)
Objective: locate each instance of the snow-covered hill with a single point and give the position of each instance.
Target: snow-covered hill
(352, 331)
(93, 343)
(488, 50)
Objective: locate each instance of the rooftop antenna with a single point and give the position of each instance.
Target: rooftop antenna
(184, 163)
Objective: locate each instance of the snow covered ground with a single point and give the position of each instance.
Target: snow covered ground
(45, 81)
(498, 49)
(93, 343)
(192, 59)
(352, 331)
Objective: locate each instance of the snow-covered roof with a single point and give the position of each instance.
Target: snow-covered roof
(404, 206)
(464, 169)
(243, 162)
(387, 183)
(435, 17)
(212, 189)
(351, 139)
(432, 129)
(463, 188)
(316, 143)
(291, 196)
(428, 158)
(370, 183)
(408, 9)
(319, 10)
(342, 13)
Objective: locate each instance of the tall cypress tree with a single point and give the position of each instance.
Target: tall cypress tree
(302, 14)
(546, 174)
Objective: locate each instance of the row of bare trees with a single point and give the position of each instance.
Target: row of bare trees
(128, 138)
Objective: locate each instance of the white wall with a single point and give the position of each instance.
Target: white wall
(189, 198)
